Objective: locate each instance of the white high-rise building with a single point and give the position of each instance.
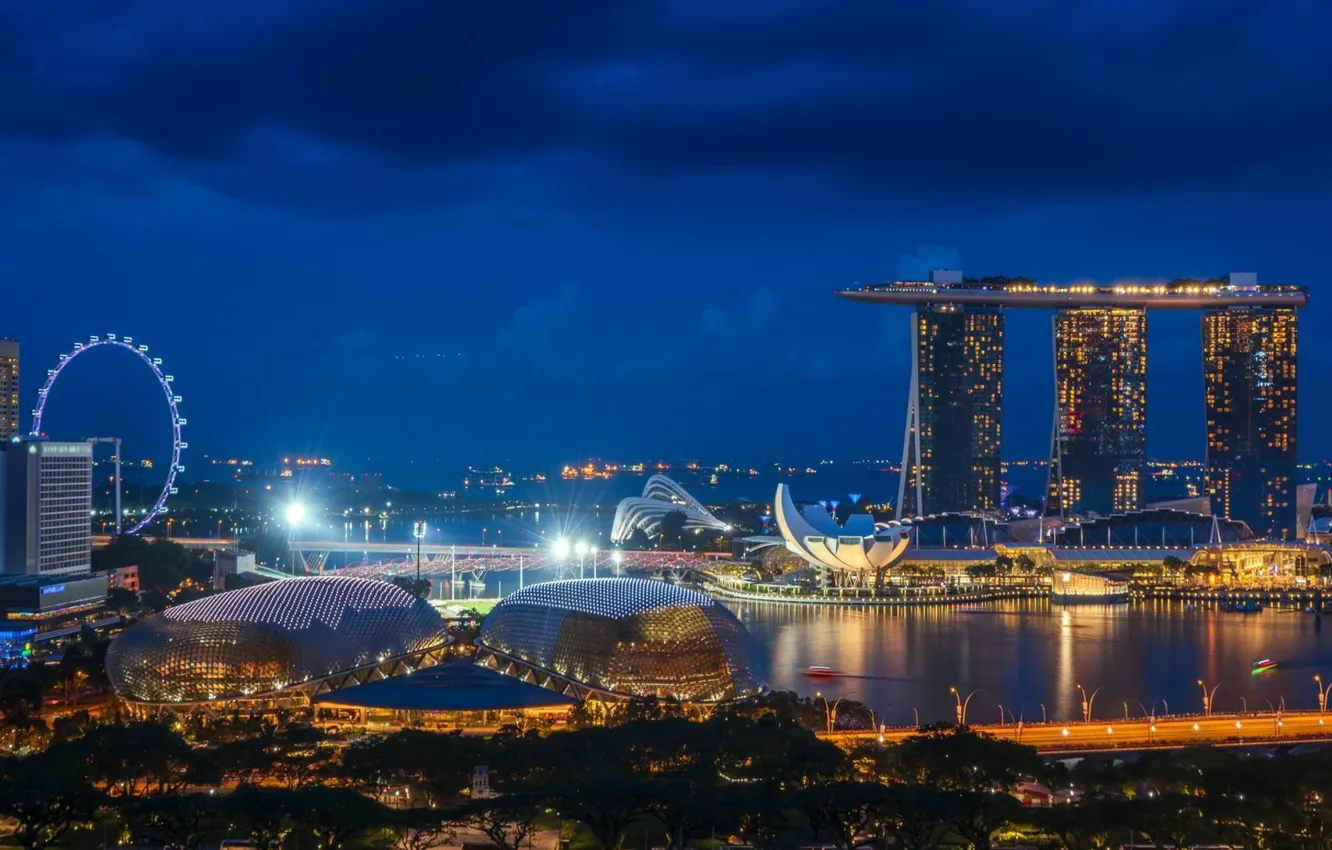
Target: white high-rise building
(46, 493)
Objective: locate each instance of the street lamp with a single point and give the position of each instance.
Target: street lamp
(1207, 697)
(830, 709)
(962, 704)
(295, 513)
(419, 532)
(594, 562)
(580, 549)
(618, 557)
(1322, 694)
(1087, 702)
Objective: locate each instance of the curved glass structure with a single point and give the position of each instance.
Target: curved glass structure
(661, 496)
(627, 637)
(268, 638)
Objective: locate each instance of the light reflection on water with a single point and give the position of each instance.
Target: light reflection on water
(1026, 653)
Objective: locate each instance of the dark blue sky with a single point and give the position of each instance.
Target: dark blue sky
(615, 228)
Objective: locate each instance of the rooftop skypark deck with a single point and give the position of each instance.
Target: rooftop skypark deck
(1025, 293)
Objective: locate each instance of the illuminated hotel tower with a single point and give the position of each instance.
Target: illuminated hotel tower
(951, 450)
(1099, 446)
(1249, 381)
(9, 389)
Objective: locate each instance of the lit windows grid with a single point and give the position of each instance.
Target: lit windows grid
(64, 500)
(1101, 396)
(9, 389)
(957, 410)
(1250, 387)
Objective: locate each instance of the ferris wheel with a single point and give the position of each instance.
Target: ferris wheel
(173, 404)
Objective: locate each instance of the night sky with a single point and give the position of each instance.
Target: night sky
(533, 231)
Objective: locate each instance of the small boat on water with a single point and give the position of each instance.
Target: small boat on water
(817, 672)
(1246, 606)
(1264, 665)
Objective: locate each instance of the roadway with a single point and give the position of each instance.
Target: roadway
(101, 541)
(1250, 729)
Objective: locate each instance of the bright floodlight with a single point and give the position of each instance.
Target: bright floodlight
(561, 548)
(295, 513)
(617, 557)
(580, 548)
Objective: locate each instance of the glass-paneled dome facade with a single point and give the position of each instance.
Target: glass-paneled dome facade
(627, 636)
(267, 638)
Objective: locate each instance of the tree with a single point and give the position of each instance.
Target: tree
(420, 828)
(507, 820)
(45, 798)
(1082, 827)
(1025, 564)
(913, 815)
(954, 757)
(844, 809)
(336, 815)
(20, 692)
(261, 814)
(137, 759)
(180, 820)
(606, 806)
(689, 808)
(1171, 565)
(977, 815)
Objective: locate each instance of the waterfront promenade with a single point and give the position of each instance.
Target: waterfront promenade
(1139, 733)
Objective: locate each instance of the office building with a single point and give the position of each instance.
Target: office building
(1099, 446)
(951, 452)
(1249, 377)
(9, 389)
(46, 493)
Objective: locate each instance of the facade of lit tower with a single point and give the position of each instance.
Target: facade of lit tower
(9, 389)
(951, 450)
(1249, 380)
(1099, 448)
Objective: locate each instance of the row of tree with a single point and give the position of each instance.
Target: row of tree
(754, 774)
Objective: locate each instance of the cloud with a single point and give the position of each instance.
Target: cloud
(894, 105)
(926, 258)
(534, 326)
(758, 310)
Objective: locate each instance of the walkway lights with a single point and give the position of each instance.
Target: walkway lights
(1322, 693)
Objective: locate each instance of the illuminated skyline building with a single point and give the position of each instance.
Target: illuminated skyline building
(9, 389)
(1099, 445)
(45, 526)
(951, 448)
(1249, 380)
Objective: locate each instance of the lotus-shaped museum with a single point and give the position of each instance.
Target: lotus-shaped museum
(860, 546)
